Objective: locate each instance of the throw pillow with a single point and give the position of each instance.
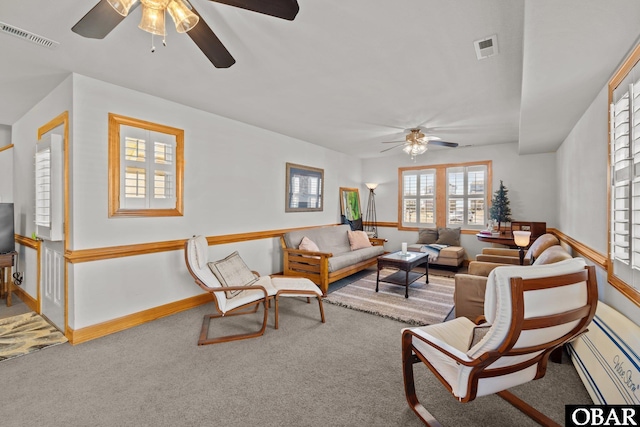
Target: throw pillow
(232, 271)
(479, 332)
(427, 236)
(358, 240)
(306, 244)
(449, 236)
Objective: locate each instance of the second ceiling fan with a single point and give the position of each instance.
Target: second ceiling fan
(107, 14)
(416, 142)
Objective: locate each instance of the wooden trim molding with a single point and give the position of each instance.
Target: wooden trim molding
(26, 298)
(85, 255)
(6, 147)
(28, 242)
(120, 324)
(594, 256)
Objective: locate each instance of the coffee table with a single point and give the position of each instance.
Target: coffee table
(404, 263)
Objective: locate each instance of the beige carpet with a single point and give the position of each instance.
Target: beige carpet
(427, 303)
(26, 333)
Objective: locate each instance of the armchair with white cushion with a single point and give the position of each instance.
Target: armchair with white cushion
(236, 290)
(530, 311)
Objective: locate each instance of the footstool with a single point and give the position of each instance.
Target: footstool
(296, 287)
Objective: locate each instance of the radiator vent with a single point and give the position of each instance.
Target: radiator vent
(486, 47)
(28, 36)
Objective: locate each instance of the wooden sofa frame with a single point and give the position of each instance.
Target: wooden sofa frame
(315, 265)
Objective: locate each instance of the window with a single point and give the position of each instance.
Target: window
(453, 195)
(623, 267)
(49, 192)
(303, 189)
(145, 168)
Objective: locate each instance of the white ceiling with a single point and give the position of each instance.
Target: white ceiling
(349, 75)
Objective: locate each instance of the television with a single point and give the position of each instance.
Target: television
(7, 238)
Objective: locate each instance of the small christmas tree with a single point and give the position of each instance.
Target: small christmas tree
(500, 210)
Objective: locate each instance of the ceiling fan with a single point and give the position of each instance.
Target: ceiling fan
(416, 142)
(107, 14)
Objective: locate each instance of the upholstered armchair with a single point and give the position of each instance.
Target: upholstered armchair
(512, 256)
(530, 311)
(469, 290)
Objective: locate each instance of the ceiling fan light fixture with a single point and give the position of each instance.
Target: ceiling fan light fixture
(152, 20)
(122, 6)
(183, 17)
(415, 149)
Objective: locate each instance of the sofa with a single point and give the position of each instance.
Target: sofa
(512, 256)
(329, 253)
(443, 244)
(469, 290)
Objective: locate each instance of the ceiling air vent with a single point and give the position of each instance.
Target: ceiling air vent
(486, 47)
(28, 36)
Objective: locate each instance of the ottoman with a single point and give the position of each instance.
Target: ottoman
(296, 287)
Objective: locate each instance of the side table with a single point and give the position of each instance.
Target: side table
(6, 283)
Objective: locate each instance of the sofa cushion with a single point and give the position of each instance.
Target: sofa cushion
(427, 236)
(346, 259)
(232, 271)
(331, 238)
(308, 245)
(358, 240)
(452, 252)
(448, 236)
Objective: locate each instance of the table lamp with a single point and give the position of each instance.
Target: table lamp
(521, 239)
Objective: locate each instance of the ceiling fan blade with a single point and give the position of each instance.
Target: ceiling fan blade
(99, 21)
(443, 143)
(391, 148)
(210, 44)
(393, 142)
(285, 9)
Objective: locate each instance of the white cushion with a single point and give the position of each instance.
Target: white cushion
(295, 284)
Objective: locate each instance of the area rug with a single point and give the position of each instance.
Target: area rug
(427, 303)
(26, 333)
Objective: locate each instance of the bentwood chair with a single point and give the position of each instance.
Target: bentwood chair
(247, 302)
(529, 311)
(245, 299)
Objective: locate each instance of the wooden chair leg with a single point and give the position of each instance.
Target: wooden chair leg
(527, 409)
(409, 386)
(206, 321)
(321, 309)
(277, 310)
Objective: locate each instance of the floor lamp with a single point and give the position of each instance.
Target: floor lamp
(370, 218)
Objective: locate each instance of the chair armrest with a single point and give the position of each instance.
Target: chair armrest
(479, 268)
(439, 345)
(238, 288)
(376, 241)
(307, 253)
(501, 259)
(501, 251)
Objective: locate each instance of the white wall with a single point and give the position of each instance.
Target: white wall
(6, 166)
(234, 183)
(582, 192)
(530, 180)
